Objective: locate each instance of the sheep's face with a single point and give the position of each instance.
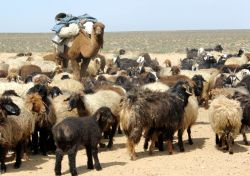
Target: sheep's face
(198, 79)
(105, 118)
(65, 77)
(231, 80)
(7, 107)
(55, 91)
(40, 89)
(175, 70)
(73, 101)
(12, 78)
(151, 77)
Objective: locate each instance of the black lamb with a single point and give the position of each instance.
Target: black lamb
(72, 132)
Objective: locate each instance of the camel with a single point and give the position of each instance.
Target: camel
(83, 49)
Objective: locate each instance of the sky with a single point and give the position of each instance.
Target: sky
(128, 15)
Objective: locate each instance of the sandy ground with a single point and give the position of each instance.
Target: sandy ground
(201, 158)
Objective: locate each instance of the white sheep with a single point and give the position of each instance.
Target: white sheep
(94, 66)
(225, 119)
(69, 85)
(19, 88)
(190, 116)
(45, 65)
(61, 108)
(60, 75)
(237, 60)
(156, 86)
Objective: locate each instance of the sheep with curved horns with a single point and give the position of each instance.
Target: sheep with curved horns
(225, 117)
(160, 110)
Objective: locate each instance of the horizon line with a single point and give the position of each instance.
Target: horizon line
(174, 30)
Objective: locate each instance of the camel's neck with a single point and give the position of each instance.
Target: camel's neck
(91, 48)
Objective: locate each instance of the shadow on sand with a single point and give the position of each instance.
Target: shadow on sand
(83, 169)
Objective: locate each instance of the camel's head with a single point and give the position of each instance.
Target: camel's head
(98, 28)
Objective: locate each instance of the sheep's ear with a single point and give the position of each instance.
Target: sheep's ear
(67, 99)
(12, 109)
(203, 80)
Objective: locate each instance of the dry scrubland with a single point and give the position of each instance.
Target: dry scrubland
(153, 42)
(202, 158)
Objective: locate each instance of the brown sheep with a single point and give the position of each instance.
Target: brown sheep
(13, 75)
(167, 62)
(172, 80)
(27, 70)
(175, 70)
(103, 62)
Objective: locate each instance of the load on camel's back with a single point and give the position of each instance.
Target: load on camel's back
(77, 39)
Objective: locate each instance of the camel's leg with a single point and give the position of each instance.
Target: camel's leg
(76, 69)
(84, 66)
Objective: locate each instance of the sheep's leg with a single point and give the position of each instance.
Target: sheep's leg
(230, 143)
(18, 155)
(89, 155)
(170, 147)
(3, 153)
(84, 66)
(160, 142)
(180, 142)
(58, 164)
(76, 69)
(245, 138)
(119, 129)
(145, 146)
(34, 142)
(112, 133)
(152, 145)
(96, 159)
(243, 132)
(206, 104)
(190, 141)
(72, 160)
(131, 149)
(25, 150)
(217, 140)
(43, 141)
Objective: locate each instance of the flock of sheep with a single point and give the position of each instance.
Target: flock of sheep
(44, 109)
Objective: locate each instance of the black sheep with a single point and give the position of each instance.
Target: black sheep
(55, 91)
(143, 110)
(244, 100)
(72, 132)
